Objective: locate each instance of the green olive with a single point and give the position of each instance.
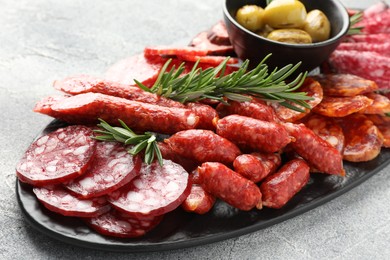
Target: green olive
(295, 36)
(251, 17)
(317, 25)
(285, 14)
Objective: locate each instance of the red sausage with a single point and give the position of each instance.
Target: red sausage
(279, 188)
(199, 201)
(256, 166)
(203, 146)
(218, 34)
(342, 106)
(253, 134)
(57, 157)
(112, 168)
(167, 153)
(313, 149)
(201, 41)
(229, 186)
(207, 115)
(87, 108)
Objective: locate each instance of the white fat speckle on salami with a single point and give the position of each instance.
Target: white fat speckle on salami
(116, 224)
(57, 157)
(59, 200)
(158, 189)
(112, 168)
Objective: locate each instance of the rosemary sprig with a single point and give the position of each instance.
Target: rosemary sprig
(353, 20)
(211, 83)
(125, 135)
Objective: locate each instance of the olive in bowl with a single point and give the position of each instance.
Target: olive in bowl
(254, 45)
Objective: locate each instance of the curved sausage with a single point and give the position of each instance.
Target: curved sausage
(57, 157)
(342, 106)
(203, 146)
(229, 186)
(279, 188)
(198, 201)
(252, 134)
(167, 153)
(207, 115)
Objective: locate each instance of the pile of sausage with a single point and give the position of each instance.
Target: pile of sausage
(250, 155)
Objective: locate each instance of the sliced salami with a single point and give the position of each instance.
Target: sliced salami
(377, 38)
(381, 48)
(385, 131)
(345, 85)
(112, 168)
(117, 224)
(342, 106)
(377, 23)
(174, 51)
(61, 201)
(58, 156)
(218, 34)
(157, 190)
(212, 60)
(381, 104)
(201, 41)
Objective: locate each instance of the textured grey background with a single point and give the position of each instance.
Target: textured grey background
(43, 40)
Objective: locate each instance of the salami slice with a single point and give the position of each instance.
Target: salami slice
(381, 104)
(174, 51)
(229, 186)
(218, 34)
(57, 157)
(256, 166)
(253, 134)
(112, 168)
(385, 131)
(198, 201)
(117, 224)
(342, 106)
(345, 85)
(59, 200)
(312, 148)
(203, 146)
(313, 90)
(280, 187)
(87, 108)
(201, 41)
(377, 38)
(381, 48)
(363, 140)
(212, 60)
(378, 23)
(157, 190)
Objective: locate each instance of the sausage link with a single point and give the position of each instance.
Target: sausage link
(199, 201)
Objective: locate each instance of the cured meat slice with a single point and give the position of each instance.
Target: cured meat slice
(207, 115)
(378, 23)
(385, 131)
(256, 166)
(218, 34)
(327, 128)
(255, 108)
(342, 106)
(44, 106)
(167, 153)
(312, 148)
(253, 134)
(112, 168)
(279, 188)
(201, 41)
(379, 119)
(375, 9)
(229, 186)
(117, 224)
(380, 106)
(377, 38)
(57, 157)
(174, 50)
(157, 190)
(366, 64)
(381, 48)
(345, 85)
(85, 84)
(87, 108)
(199, 201)
(203, 146)
(145, 70)
(212, 60)
(363, 140)
(59, 200)
(313, 90)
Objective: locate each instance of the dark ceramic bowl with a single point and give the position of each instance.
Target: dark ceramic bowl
(249, 45)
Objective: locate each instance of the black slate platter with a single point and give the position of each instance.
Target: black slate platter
(180, 229)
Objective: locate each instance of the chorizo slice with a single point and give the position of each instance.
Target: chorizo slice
(342, 106)
(230, 186)
(312, 148)
(218, 34)
(117, 224)
(156, 191)
(363, 140)
(253, 134)
(198, 201)
(385, 131)
(201, 41)
(87, 108)
(57, 157)
(256, 166)
(59, 200)
(381, 104)
(313, 90)
(327, 128)
(203, 146)
(277, 189)
(112, 168)
(344, 85)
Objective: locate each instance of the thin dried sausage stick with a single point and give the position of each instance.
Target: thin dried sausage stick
(198, 201)
(207, 115)
(229, 186)
(167, 153)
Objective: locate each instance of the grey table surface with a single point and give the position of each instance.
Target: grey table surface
(44, 40)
